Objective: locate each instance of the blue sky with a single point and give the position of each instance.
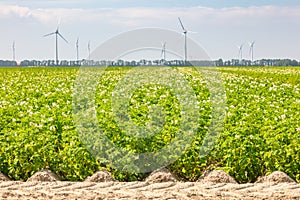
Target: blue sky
(220, 25)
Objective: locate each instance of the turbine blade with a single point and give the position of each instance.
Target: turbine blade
(48, 34)
(181, 24)
(62, 37)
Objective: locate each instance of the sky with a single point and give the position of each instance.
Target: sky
(219, 26)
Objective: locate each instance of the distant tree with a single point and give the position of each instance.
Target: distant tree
(219, 62)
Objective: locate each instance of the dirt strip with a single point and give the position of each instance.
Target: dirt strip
(144, 190)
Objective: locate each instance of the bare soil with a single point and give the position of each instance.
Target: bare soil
(159, 185)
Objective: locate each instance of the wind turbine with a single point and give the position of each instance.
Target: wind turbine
(163, 51)
(241, 52)
(89, 49)
(251, 44)
(14, 51)
(57, 33)
(185, 35)
(77, 50)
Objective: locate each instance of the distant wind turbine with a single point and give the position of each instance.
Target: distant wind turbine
(77, 49)
(57, 33)
(251, 44)
(14, 51)
(163, 51)
(89, 49)
(241, 52)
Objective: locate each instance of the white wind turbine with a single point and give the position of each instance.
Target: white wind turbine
(185, 37)
(57, 33)
(14, 51)
(89, 49)
(77, 50)
(251, 44)
(241, 52)
(163, 51)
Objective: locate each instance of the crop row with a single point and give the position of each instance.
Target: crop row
(48, 121)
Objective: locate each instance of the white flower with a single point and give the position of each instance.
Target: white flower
(298, 129)
(50, 119)
(55, 105)
(52, 128)
(47, 94)
(22, 103)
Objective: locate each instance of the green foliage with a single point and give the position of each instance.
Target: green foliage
(260, 134)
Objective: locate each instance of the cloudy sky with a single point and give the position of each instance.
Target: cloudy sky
(220, 25)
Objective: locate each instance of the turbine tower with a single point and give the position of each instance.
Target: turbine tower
(14, 51)
(251, 44)
(57, 33)
(241, 52)
(185, 35)
(163, 51)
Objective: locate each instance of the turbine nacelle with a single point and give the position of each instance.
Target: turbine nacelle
(77, 42)
(251, 44)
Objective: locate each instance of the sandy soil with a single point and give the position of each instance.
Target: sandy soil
(159, 185)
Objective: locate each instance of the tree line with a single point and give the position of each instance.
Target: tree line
(219, 62)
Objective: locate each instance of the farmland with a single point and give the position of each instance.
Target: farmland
(260, 134)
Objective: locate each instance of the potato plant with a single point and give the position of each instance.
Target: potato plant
(260, 133)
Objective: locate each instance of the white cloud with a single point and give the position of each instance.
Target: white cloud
(14, 11)
(138, 16)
